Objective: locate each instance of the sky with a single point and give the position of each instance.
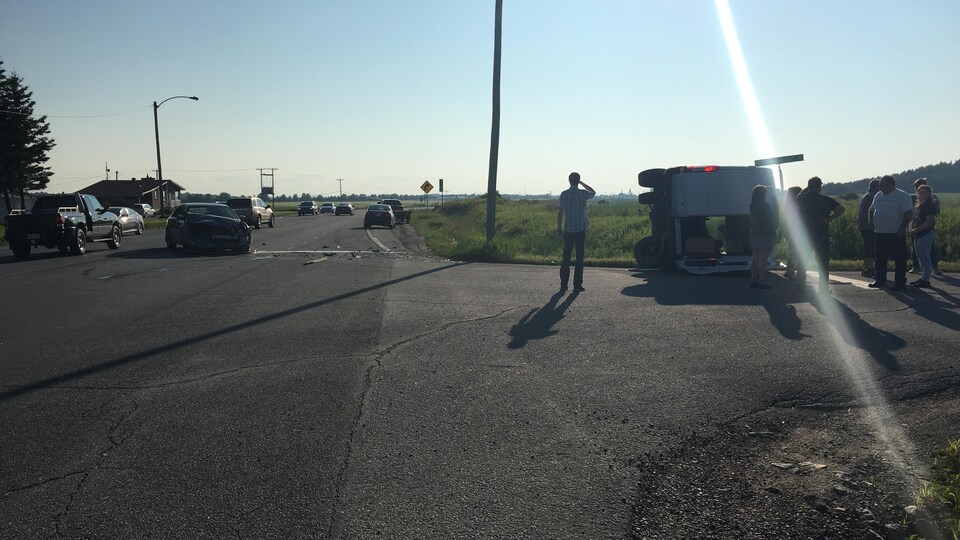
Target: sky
(386, 95)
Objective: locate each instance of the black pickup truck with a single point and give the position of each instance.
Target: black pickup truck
(66, 222)
(402, 215)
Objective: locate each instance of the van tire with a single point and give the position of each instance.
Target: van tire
(650, 178)
(647, 253)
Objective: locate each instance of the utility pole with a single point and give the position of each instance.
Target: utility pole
(341, 188)
(268, 190)
(495, 128)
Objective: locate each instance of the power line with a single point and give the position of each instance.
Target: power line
(74, 117)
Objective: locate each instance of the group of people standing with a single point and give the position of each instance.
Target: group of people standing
(887, 215)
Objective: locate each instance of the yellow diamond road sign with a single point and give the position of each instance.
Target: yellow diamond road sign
(427, 187)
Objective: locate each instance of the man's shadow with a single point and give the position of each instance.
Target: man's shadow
(860, 334)
(538, 323)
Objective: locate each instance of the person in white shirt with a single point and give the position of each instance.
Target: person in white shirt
(890, 213)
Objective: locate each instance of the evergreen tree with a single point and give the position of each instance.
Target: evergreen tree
(24, 140)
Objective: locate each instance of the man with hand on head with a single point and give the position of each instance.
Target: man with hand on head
(573, 229)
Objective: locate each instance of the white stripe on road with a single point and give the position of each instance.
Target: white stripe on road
(375, 241)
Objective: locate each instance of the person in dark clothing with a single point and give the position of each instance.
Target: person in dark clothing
(866, 228)
(790, 216)
(816, 213)
(763, 236)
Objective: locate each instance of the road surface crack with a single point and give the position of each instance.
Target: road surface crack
(365, 392)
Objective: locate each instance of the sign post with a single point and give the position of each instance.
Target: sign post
(427, 187)
(777, 161)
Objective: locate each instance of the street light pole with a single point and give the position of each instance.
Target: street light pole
(156, 133)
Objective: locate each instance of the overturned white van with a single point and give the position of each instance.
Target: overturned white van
(700, 218)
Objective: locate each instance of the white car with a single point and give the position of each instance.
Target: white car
(144, 210)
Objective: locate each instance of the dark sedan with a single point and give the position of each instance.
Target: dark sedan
(379, 214)
(308, 208)
(207, 226)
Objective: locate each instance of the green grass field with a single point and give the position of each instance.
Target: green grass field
(526, 233)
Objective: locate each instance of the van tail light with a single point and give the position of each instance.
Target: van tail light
(710, 168)
(702, 168)
(59, 220)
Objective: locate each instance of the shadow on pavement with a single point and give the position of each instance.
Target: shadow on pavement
(874, 341)
(538, 323)
(165, 349)
(731, 289)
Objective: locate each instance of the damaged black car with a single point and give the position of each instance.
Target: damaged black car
(207, 226)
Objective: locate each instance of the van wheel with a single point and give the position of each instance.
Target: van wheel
(650, 178)
(647, 253)
(79, 244)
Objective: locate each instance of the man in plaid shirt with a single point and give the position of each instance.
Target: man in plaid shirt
(573, 203)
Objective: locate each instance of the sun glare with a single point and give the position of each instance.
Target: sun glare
(855, 360)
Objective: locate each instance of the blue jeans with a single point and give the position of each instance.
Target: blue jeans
(570, 240)
(923, 247)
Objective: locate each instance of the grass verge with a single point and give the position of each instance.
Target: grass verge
(939, 500)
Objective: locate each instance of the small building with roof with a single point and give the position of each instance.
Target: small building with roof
(136, 191)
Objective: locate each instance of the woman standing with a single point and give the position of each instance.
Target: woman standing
(921, 229)
(763, 236)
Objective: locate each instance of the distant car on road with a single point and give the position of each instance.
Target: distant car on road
(326, 208)
(252, 210)
(379, 214)
(344, 208)
(308, 208)
(207, 226)
(130, 220)
(145, 210)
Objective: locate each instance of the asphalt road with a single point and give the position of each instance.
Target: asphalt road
(333, 384)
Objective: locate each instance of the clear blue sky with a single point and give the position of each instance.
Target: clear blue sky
(387, 94)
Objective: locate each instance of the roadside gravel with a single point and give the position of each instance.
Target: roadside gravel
(791, 473)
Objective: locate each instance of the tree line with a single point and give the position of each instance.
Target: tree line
(943, 177)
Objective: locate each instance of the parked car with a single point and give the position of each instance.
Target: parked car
(207, 226)
(130, 220)
(145, 210)
(700, 218)
(252, 210)
(379, 214)
(344, 208)
(65, 222)
(326, 208)
(402, 215)
(308, 208)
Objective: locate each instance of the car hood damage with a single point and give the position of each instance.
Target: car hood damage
(214, 232)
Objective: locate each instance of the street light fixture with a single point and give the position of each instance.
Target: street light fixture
(156, 132)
